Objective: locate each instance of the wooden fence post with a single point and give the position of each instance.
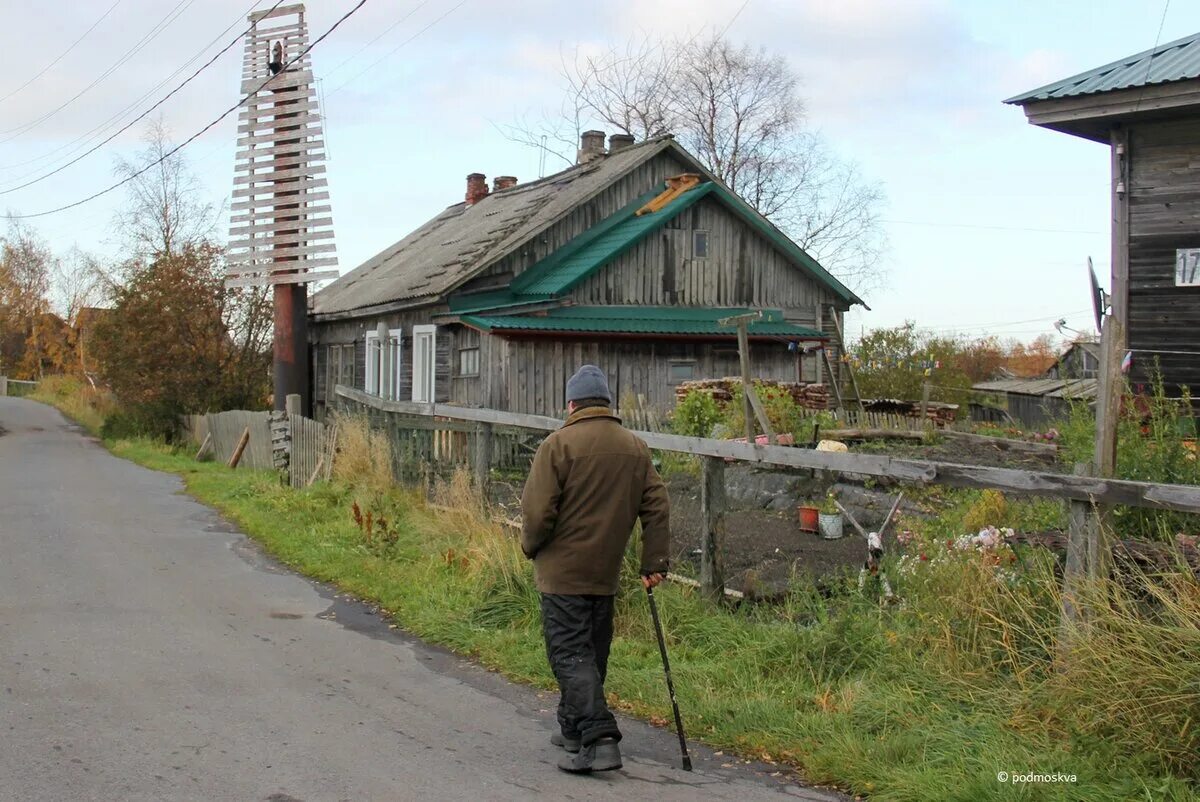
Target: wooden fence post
(243, 441)
(1079, 521)
(925, 405)
(1109, 386)
(3, 386)
(483, 457)
(712, 506)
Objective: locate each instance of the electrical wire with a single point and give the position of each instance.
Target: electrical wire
(142, 116)
(392, 52)
(385, 32)
(107, 124)
(1150, 59)
(199, 133)
(991, 228)
(162, 25)
(63, 54)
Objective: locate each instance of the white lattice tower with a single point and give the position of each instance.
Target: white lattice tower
(281, 229)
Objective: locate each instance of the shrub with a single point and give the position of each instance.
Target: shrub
(696, 414)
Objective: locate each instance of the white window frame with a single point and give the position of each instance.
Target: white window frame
(419, 333)
(371, 380)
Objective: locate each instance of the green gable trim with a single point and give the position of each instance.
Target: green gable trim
(592, 249)
(604, 242)
(498, 299)
(649, 320)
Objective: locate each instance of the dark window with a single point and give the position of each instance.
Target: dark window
(681, 372)
(699, 244)
(468, 361)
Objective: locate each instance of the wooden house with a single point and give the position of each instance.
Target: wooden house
(1081, 360)
(1146, 109)
(628, 259)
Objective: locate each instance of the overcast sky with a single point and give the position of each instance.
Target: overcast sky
(990, 220)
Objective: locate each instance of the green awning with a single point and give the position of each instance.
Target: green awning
(646, 320)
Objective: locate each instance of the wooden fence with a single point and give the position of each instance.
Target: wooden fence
(16, 387)
(304, 440)
(1083, 492)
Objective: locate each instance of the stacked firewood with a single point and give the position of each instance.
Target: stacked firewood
(806, 396)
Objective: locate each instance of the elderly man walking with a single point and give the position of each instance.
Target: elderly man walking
(590, 481)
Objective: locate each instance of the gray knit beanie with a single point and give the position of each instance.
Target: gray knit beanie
(588, 382)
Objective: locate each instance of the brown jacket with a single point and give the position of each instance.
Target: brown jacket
(590, 481)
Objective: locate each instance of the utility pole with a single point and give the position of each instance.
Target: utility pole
(281, 234)
(751, 405)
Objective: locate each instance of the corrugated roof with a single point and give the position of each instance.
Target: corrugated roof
(1174, 61)
(463, 239)
(1052, 388)
(673, 320)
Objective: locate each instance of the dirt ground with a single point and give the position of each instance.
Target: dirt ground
(762, 547)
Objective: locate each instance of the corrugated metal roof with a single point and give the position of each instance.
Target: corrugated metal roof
(1053, 388)
(1174, 61)
(641, 320)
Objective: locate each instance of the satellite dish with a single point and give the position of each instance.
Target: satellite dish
(1099, 298)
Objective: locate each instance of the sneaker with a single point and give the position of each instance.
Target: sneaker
(603, 755)
(570, 744)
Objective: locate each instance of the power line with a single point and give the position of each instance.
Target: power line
(385, 32)
(392, 52)
(1150, 58)
(143, 115)
(63, 54)
(199, 133)
(733, 19)
(110, 121)
(162, 25)
(992, 228)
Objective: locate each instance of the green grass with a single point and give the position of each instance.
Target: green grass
(924, 701)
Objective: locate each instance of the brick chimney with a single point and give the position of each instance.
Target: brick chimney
(591, 146)
(618, 142)
(503, 182)
(477, 188)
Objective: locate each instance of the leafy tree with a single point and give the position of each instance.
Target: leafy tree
(176, 342)
(25, 266)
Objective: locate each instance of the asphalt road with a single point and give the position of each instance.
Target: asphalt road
(148, 651)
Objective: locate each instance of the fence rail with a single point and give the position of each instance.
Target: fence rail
(1091, 489)
(16, 387)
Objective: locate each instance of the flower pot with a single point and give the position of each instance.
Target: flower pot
(808, 518)
(830, 525)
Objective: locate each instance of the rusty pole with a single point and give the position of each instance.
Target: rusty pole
(290, 365)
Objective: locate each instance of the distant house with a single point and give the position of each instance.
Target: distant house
(1030, 402)
(1146, 109)
(628, 259)
(1081, 360)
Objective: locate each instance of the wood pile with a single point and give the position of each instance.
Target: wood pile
(939, 413)
(806, 396)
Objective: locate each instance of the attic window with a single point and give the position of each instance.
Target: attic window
(699, 244)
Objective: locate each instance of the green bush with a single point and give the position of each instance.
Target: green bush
(696, 415)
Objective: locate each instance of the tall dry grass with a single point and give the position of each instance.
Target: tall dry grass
(363, 456)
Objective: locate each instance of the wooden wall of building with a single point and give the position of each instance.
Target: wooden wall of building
(1164, 214)
(741, 269)
(532, 374)
(327, 337)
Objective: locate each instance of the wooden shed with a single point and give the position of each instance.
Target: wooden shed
(1146, 109)
(628, 259)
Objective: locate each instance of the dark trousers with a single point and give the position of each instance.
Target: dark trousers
(578, 632)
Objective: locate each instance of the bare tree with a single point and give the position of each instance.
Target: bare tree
(77, 280)
(164, 213)
(739, 111)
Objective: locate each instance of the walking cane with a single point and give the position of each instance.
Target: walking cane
(662, 648)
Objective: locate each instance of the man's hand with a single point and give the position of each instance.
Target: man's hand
(652, 580)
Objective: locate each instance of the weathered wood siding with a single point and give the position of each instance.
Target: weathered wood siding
(535, 371)
(1164, 214)
(325, 337)
(741, 269)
